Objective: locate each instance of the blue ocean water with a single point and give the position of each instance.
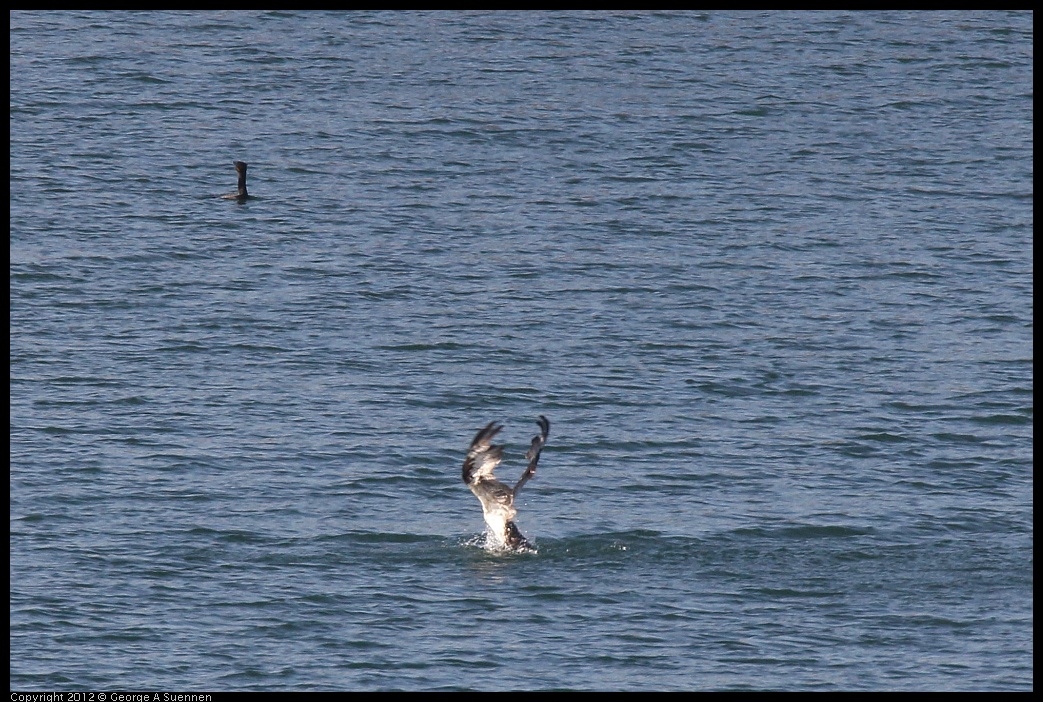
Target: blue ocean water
(768, 274)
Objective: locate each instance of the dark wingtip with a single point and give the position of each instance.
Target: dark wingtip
(487, 432)
(544, 425)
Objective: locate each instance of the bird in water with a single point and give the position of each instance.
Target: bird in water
(497, 498)
(241, 195)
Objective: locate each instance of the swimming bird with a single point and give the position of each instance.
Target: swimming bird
(497, 499)
(241, 195)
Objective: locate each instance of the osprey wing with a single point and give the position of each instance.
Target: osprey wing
(483, 456)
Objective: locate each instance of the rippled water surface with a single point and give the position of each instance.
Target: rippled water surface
(768, 274)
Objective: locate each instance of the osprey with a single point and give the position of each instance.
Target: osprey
(497, 499)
